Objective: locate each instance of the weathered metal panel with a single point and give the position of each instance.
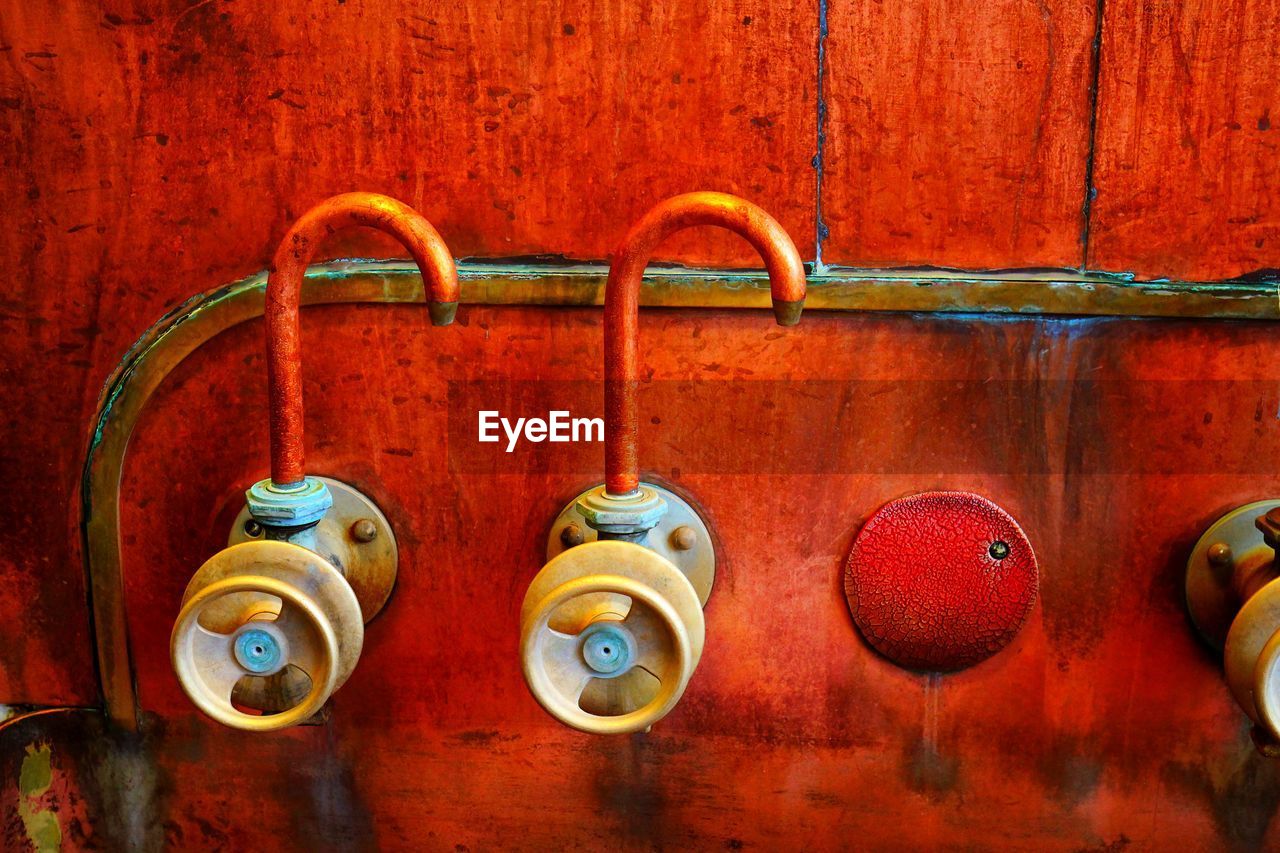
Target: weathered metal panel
(1113, 442)
(1186, 157)
(957, 133)
(153, 150)
(159, 150)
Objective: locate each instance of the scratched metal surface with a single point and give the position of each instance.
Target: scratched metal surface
(160, 149)
(957, 133)
(137, 185)
(1105, 721)
(1185, 165)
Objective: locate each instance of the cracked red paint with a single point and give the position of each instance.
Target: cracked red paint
(941, 580)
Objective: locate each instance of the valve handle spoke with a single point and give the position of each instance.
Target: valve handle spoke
(217, 662)
(564, 665)
(654, 644)
(303, 648)
(632, 690)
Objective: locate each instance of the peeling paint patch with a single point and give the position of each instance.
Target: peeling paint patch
(34, 780)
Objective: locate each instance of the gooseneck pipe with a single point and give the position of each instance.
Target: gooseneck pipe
(622, 305)
(284, 285)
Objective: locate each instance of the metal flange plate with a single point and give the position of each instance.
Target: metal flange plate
(354, 535)
(1212, 598)
(681, 536)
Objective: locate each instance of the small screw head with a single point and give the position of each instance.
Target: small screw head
(364, 530)
(683, 538)
(252, 528)
(998, 550)
(571, 536)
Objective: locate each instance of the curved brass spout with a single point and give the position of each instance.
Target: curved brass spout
(622, 304)
(284, 283)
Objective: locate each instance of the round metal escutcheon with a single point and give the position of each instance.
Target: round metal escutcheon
(354, 536)
(940, 581)
(1212, 598)
(681, 536)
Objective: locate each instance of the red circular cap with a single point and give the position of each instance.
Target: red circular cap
(940, 580)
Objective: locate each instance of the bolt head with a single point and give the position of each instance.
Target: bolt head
(683, 538)
(1219, 554)
(364, 530)
(608, 649)
(258, 650)
(572, 536)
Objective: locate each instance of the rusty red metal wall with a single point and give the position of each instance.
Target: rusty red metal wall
(1186, 157)
(154, 149)
(957, 133)
(1105, 722)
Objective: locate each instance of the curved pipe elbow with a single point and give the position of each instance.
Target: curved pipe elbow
(622, 304)
(284, 287)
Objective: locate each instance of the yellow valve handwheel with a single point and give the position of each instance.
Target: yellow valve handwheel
(254, 610)
(611, 633)
(1251, 657)
(1266, 686)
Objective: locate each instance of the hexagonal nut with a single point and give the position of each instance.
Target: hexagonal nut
(295, 506)
(632, 514)
(1269, 525)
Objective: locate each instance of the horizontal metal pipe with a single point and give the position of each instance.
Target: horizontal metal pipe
(622, 304)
